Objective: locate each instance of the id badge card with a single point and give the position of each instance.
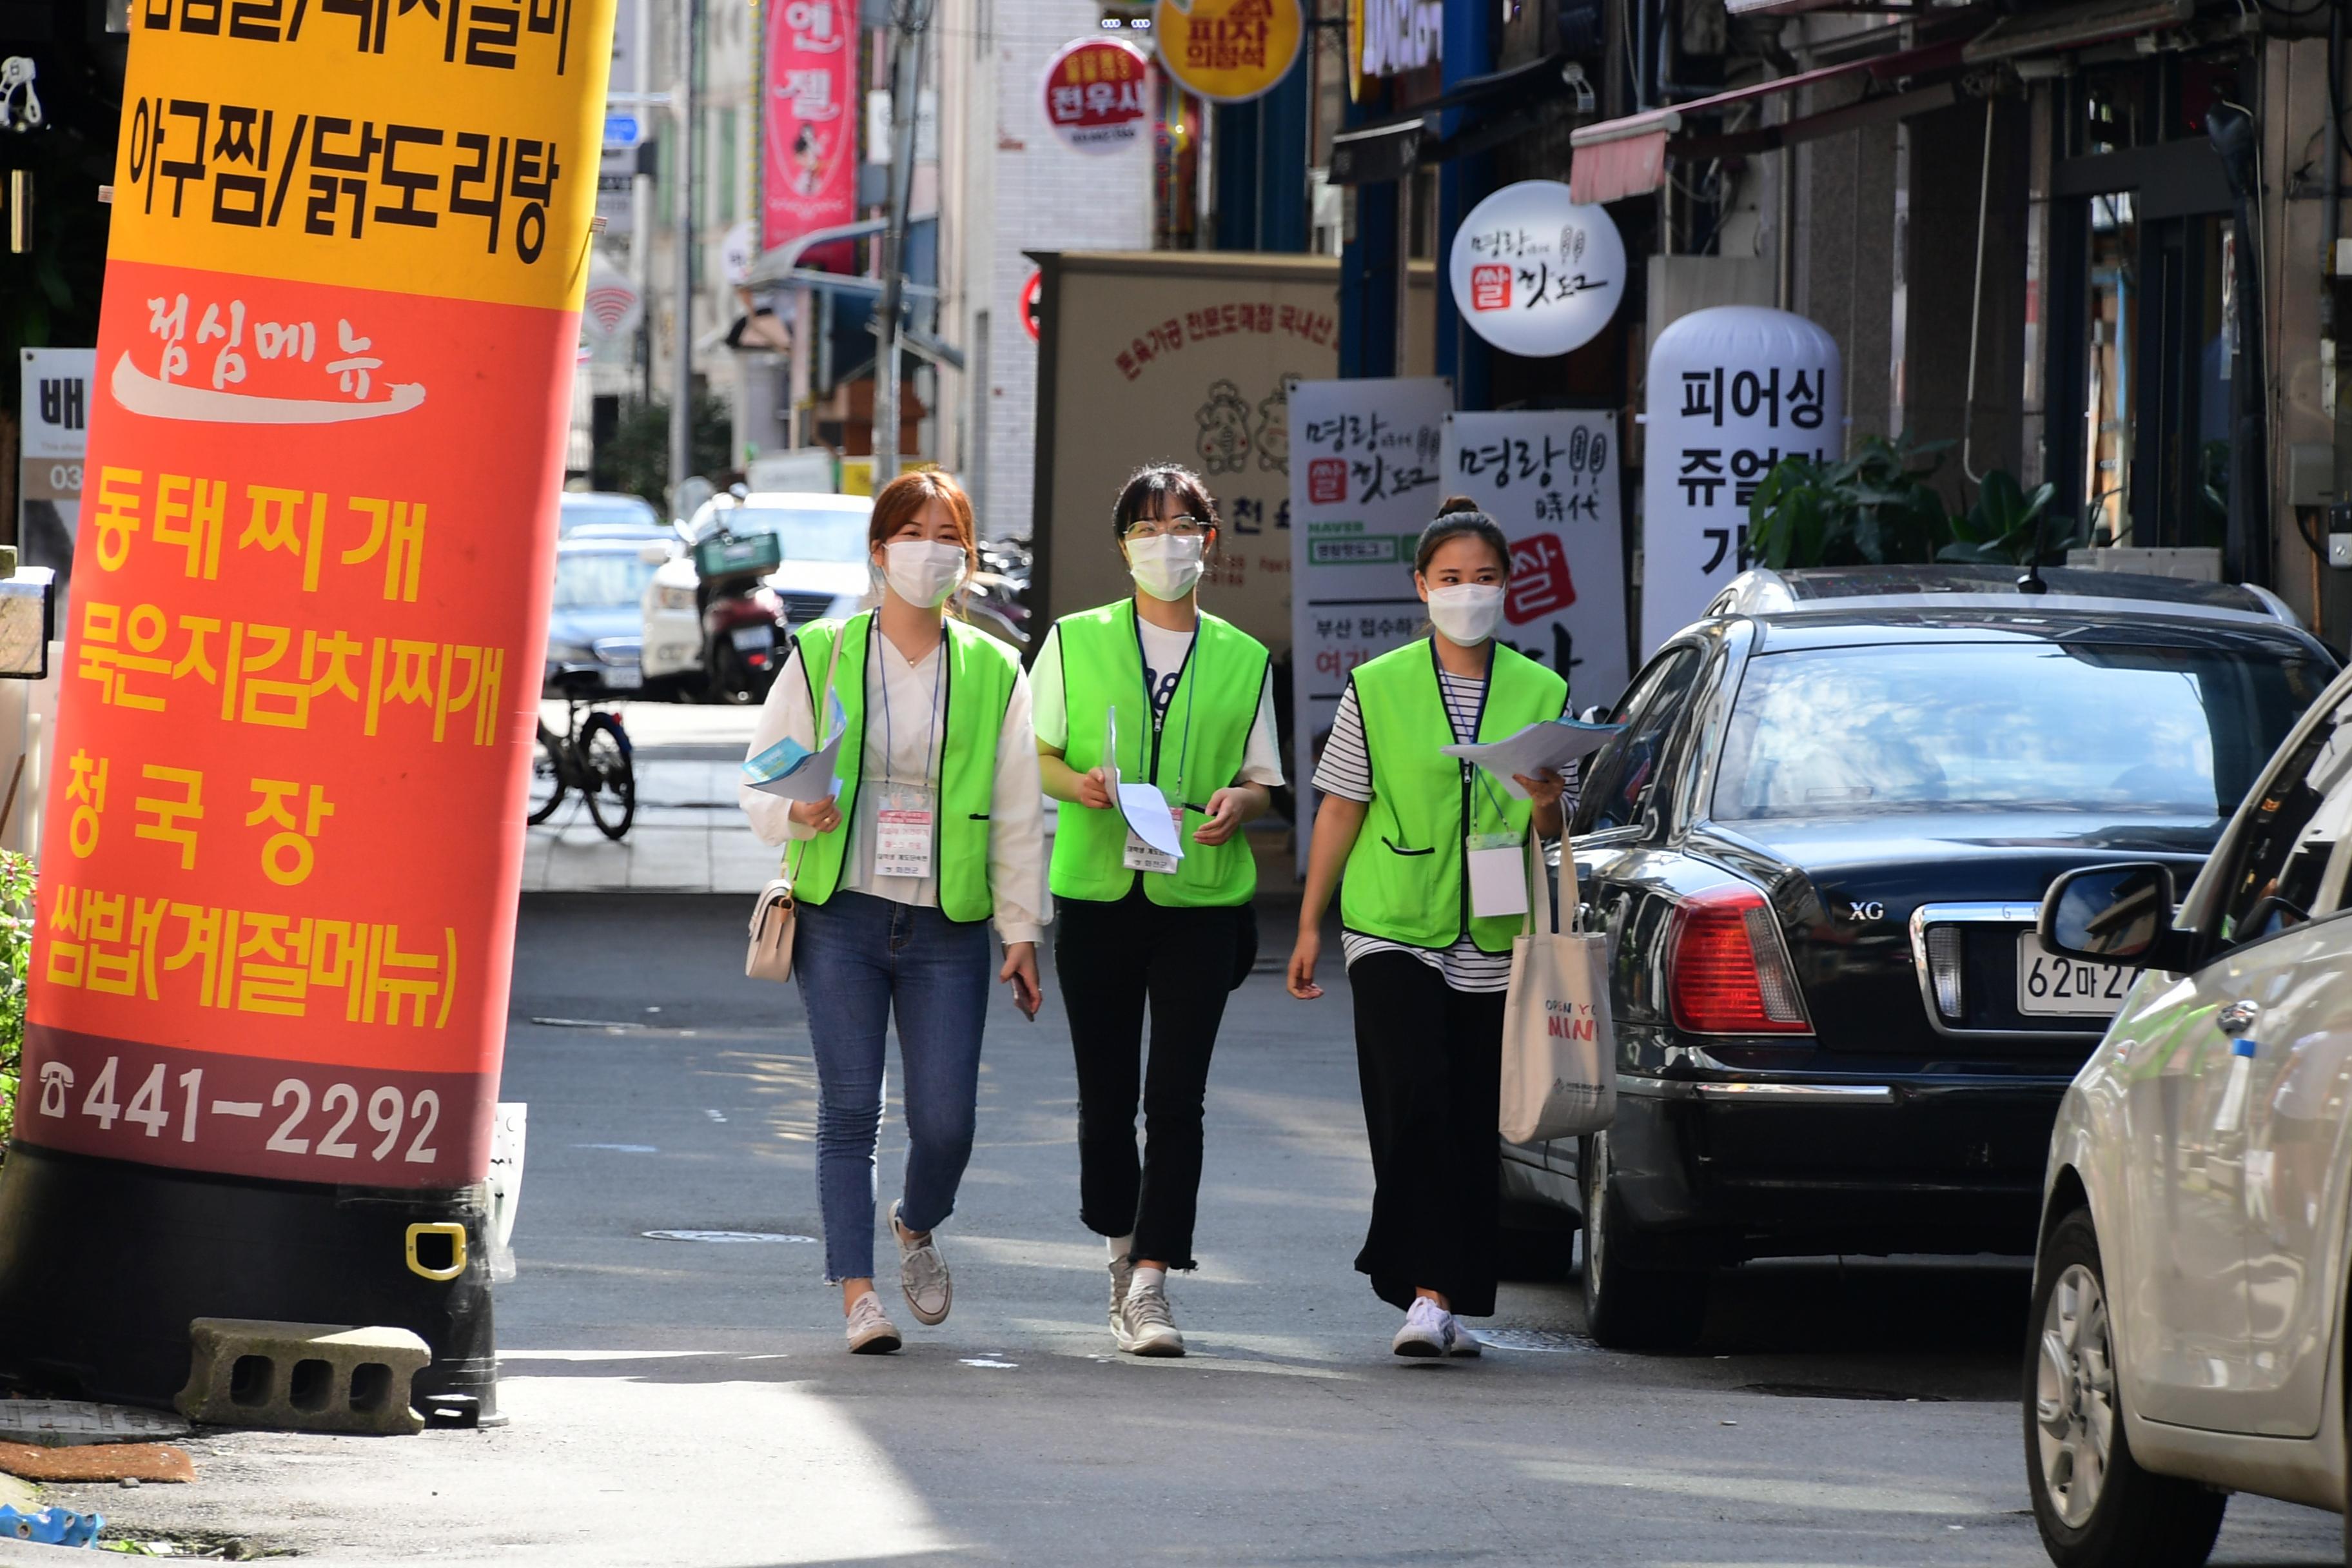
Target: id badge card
(1498, 875)
(1142, 857)
(902, 836)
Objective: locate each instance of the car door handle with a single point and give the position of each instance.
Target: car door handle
(2239, 1017)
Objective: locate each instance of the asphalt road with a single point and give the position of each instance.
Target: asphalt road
(688, 1402)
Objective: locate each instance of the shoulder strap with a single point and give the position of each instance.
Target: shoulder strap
(1540, 920)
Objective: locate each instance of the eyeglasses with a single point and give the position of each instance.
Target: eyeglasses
(1179, 527)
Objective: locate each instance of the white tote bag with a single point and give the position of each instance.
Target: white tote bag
(1560, 1053)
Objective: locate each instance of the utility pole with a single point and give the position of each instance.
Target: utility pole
(910, 22)
(689, 116)
(641, 197)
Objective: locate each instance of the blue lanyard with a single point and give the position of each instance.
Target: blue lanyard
(931, 733)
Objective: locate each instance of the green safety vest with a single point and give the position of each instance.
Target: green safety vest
(1196, 751)
(1407, 878)
(979, 676)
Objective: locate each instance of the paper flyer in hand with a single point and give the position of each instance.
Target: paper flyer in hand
(1148, 815)
(790, 770)
(1554, 744)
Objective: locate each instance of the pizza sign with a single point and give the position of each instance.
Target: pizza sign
(1097, 94)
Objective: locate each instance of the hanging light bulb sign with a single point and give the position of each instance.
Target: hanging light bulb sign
(1535, 272)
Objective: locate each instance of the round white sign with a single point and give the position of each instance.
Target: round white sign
(1534, 272)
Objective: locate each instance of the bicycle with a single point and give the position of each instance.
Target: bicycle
(593, 756)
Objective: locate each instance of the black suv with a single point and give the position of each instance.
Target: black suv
(1817, 848)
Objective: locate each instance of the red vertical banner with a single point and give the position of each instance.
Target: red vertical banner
(808, 174)
(279, 869)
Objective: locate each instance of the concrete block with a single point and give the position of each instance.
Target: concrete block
(301, 1377)
(65, 1422)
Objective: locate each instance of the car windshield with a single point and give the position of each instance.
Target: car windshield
(600, 579)
(809, 533)
(579, 510)
(2106, 727)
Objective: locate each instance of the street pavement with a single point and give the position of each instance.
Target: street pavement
(689, 1402)
(688, 834)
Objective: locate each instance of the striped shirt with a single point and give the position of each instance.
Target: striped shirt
(1346, 770)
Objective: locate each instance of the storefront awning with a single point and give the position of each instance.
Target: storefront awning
(1627, 157)
(1509, 103)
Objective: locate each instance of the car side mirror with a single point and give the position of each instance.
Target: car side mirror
(2113, 914)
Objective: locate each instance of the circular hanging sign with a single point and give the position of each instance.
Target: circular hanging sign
(1534, 273)
(1097, 97)
(1228, 51)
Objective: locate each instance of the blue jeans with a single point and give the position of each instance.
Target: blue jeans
(856, 957)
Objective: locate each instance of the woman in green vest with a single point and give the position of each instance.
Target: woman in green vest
(1151, 691)
(939, 832)
(1426, 923)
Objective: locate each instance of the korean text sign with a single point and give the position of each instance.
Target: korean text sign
(1732, 391)
(1365, 478)
(335, 354)
(56, 403)
(1098, 94)
(1229, 51)
(1550, 479)
(808, 174)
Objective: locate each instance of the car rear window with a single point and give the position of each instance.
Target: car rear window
(2135, 726)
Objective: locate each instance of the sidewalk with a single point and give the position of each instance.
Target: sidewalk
(688, 836)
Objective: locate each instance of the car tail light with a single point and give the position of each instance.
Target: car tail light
(1728, 973)
(1944, 969)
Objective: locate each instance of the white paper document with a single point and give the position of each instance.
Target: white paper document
(1150, 818)
(790, 770)
(1554, 744)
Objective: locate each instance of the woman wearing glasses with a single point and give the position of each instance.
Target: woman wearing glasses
(938, 835)
(1151, 690)
(1428, 941)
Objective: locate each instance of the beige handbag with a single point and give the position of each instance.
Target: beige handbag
(770, 956)
(1559, 1051)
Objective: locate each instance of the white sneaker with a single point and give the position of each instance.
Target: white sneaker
(1459, 1339)
(1144, 1326)
(1425, 1331)
(922, 1274)
(870, 1333)
(1121, 1272)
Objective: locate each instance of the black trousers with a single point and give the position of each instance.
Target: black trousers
(1111, 959)
(1430, 1060)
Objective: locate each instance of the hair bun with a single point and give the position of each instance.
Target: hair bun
(1453, 504)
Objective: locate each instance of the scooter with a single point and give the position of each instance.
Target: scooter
(742, 616)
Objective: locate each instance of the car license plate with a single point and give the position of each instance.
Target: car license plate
(2056, 987)
(624, 676)
(753, 639)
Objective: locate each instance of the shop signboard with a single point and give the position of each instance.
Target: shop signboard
(1398, 35)
(1228, 51)
(327, 425)
(1365, 478)
(55, 384)
(1535, 272)
(1097, 95)
(1550, 479)
(1732, 391)
(808, 169)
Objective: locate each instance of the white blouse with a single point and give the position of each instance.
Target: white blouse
(905, 727)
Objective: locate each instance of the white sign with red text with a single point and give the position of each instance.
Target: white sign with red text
(1364, 482)
(1535, 273)
(1550, 479)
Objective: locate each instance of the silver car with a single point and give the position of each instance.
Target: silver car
(2188, 1306)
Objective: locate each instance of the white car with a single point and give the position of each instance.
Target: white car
(2189, 1298)
(823, 539)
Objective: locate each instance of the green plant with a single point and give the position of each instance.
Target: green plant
(636, 457)
(16, 878)
(1880, 507)
(2010, 526)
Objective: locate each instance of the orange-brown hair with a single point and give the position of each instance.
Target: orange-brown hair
(908, 494)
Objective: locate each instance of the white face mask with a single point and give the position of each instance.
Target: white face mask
(1465, 613)
(926, 573)
(1167, 566)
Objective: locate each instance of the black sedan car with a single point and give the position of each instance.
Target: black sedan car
(1818, 848)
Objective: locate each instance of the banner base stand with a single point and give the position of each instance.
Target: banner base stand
(103, 1263)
